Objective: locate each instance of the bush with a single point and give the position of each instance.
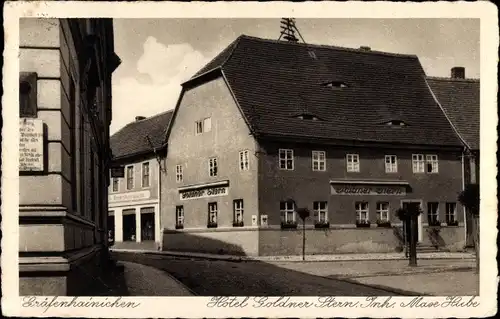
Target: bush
(404, 214)
(469, 197)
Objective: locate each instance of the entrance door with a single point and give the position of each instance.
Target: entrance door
(416, 205)
(129, 227)
(147, 226)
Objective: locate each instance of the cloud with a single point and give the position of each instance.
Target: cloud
(167, 66)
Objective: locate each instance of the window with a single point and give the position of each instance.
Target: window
(286, 159)
(321, 212)
(145, 174)
(116, 185)
(130, 177)
(451, 213)
(212, 214)
(244, 164)
(361, 212)
(203, 126)
(391, 164)
(212, 166)
(432, 163)
(28, 94)
(433, 213)
(238, 212)
(417, 163)
(178, 173)
(352, 162)
(318, 161)
(287, 211)
(383, 212)
(179, 217)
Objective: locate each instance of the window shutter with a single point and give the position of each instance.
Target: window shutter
(28, 94)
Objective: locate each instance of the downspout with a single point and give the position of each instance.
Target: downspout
(463, 187)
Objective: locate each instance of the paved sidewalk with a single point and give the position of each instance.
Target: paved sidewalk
(438, 277)
(143, 280)
(336, 257)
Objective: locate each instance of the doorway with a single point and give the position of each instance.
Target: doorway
(111, 228)
(129, 227)
(147, 226)
(408, 204)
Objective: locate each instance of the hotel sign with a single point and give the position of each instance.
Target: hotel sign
(204, 193)
(127, 197)
(30, 145)
(368, 190)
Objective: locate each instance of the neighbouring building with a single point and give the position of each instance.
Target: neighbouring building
(459, 98)
(134, 208)
(65, 113)
(268, 127)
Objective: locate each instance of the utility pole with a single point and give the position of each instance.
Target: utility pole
(288, 30)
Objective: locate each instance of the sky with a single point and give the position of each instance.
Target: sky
(159, 54)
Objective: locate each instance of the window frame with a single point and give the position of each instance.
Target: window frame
(143, 164)
(433, 160)
(213, 169)
(360, 210)
(179, 216)
(318, 210)
(380, 211)
(316, 159)
(286, 210)
(353, 166)
(179, 173)
(417, 163)
(244, 160)
(198, 127)
(127, 177)
(288, 153)
(238, 209)
(207, 124)
(113, 179)
(447, 213)
(432, 214)
(391, 167)
(216, 213)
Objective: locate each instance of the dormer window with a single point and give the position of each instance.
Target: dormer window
(396, 123)
(335, 85)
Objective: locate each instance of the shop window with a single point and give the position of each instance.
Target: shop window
(179, 217)
(238, 213)
(318, 161)
(28, 94)
(212, 215)
(352, 162)
(433, 214)
(286, 159)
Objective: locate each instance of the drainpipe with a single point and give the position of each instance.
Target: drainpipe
(463, 187)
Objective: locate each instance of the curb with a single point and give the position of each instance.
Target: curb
(338, 258)
(381, 287)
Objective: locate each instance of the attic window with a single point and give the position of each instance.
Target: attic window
(308, 117)
(335, 85)
(396, 123)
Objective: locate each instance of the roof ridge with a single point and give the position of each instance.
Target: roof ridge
(443, 78)
(332, 47)
(141, 121)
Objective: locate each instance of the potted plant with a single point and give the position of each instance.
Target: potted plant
(238, 223)
(452, 223)
(383, 223)
(289, 224)
(322, 224)
(362, 223)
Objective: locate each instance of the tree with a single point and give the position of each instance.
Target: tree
(303, 213)
(469, 198)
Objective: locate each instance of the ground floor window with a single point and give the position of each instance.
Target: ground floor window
(212, 214)
(383, 211)
(147, 223)
(433, 213)
(238, 213)
(362, 214)
(321, 212)
(451, 214)
(287, 212)
(179, 217)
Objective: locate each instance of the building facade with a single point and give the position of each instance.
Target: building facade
(134, 208)
(459, 98)
(271, 127)
(65, 113)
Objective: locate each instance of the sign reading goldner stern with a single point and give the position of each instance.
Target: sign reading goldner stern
(368, 190)
(204, 193)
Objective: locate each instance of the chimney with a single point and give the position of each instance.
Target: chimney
(139, 118)
(458, 72)
(365, 48)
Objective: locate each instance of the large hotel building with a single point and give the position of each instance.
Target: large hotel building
(351, 134)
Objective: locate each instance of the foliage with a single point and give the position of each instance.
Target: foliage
(383, 223)
(469, 197)
(362, 223)
(404, 213)
(303, 213)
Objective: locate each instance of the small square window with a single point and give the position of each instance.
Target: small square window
(352, 162)
(418, 163)
(391, 164)
(318, 161)
(432, 163)
(286, 159)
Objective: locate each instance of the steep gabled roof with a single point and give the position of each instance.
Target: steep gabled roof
(354, 92)
(460, 101)
(132, 139)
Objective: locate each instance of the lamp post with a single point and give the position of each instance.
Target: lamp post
(303, 214)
